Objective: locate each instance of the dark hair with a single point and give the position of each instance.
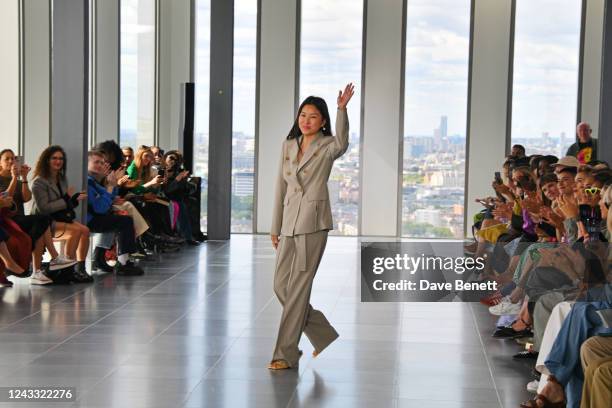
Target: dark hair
(534, 160)
(43, 169)
(548, 178)
(603, 176)
(321, 106)
(112, 151)
(177, 163)
(3, 152)
(519, 147)
(572, 170)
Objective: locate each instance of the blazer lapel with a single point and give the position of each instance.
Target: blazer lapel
(312, 149)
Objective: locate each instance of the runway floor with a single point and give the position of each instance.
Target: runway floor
(199, 328)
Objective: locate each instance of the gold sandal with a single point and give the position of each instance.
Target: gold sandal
(278, 365)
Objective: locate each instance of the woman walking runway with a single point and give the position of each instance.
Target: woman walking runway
(301, 221)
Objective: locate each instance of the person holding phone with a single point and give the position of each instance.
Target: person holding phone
(14, 183)
(146, 185)
(301, 221)
(53, 197)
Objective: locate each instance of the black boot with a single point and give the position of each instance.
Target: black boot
(80, 274)
(99, 261)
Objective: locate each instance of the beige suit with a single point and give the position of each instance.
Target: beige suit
(302, 217)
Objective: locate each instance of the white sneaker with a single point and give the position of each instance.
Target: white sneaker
(39, 278)
(505, 307)
(62, 261)
(532, 387)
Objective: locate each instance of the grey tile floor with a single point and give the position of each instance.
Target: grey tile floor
(198, 330)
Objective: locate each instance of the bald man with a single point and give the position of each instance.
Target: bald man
(585, 148)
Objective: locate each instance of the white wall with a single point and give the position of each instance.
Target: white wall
(489, 99)
(9, 74)
(380, 170)
(276, 98)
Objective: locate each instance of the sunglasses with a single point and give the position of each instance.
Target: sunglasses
(592, 190)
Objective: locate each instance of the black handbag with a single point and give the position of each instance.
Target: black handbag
(67, 215)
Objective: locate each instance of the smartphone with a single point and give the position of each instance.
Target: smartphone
(161, 172)
(19, 162)
(498, 178)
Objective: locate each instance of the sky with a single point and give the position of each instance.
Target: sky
(437, 52)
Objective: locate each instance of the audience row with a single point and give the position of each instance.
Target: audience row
(545, 233)
(137, 204)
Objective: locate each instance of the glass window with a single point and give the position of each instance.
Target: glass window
(435, 111)
(243, 144)
(545, 87)
(330, 57)
(202, 81)
(137, 72)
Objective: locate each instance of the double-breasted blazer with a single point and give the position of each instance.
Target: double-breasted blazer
(301, 200)
(47, 196)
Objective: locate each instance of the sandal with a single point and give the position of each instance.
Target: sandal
(278, 365)
(545, 402)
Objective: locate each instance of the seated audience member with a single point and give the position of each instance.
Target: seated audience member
(54, 198)
(585, 149)
(176, 187)
(158, 155)
(14, 245)
(100, 217)
(144, 186)
(128, 156)
(13, 181)
(518, 151)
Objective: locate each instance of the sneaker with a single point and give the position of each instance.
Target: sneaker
(5, 283)
(80, 275)
(532, 387)
(61, 262)
(505, 307)
(129, 269)
(101, 266)
(39, 278)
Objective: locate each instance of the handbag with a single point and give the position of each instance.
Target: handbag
(67, 215)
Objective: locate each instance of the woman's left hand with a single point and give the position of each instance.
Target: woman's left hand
(345, 97)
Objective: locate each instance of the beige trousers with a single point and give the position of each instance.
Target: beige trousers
(596, 356)
(297, 260)
(140, 225)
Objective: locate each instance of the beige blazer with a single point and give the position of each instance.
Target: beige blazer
(301, 201)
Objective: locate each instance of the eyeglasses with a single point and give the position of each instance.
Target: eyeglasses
(592, 190)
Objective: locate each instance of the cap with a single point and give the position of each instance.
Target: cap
(568, 161)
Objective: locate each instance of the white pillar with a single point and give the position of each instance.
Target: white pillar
(9, 74)
(486, 145)
(380, 167)
(591, 63)
(175, 67)
(276, 97)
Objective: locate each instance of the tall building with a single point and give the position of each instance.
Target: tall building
(443, 126)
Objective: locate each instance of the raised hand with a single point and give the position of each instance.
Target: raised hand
(345, 97)
(25, 170)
